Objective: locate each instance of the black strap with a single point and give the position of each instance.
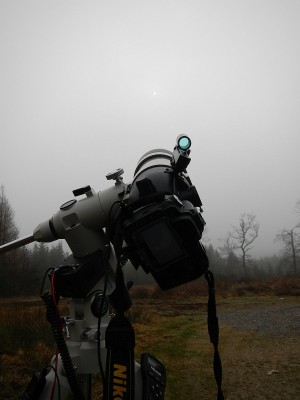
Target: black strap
(213, 330)
(120, 298)
(120, 342)
(120, 336)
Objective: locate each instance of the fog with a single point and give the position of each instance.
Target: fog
(90, 86)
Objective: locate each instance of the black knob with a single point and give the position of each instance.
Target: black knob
(82, 190)
(99, 304)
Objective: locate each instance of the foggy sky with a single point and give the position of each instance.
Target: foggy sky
(90, 86)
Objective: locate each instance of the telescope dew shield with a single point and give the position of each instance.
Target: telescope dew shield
(156, 158)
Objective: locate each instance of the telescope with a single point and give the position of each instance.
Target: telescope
(155, 221)
(161, 225)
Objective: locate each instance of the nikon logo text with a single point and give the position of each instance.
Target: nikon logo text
(120, 381)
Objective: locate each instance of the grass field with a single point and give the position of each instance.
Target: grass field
(256, 364)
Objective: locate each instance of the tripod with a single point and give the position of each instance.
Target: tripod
(89, 342)
(156, 222)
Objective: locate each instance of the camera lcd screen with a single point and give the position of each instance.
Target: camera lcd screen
(162, 242)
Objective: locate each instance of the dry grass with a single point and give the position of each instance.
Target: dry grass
(259, 367)
(255, 366)
(283, 286)
(174, 330)
(26, 344)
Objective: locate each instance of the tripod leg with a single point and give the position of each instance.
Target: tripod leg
(85, 381)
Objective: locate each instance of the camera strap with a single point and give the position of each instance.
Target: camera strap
(120, 342)
(119, 337)
(213, 330)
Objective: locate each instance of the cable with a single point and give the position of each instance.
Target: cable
(44, 279)
(110, 212)
(55, 304)
(57, 378)
(55, 322)
(99, 329)
(106, 255)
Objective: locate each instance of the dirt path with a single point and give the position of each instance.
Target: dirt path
(271, 321)
(268, 316)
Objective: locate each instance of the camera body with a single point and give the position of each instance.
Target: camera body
(164, 223)
(164, 238)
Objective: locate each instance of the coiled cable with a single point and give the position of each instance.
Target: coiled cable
(55, 322)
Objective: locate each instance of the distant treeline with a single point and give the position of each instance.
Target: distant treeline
(22, 270)
(257, 269)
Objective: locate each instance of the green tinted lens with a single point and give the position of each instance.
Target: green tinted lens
(184, 143)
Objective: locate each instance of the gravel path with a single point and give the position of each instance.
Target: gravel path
(271, 321)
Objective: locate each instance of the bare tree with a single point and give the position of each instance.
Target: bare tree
(244, 234)
(228, 246)
(8, 229)
(291, 240)
(297, 207)
(232, 262)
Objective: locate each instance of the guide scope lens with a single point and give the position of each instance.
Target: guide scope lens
(184, 142)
